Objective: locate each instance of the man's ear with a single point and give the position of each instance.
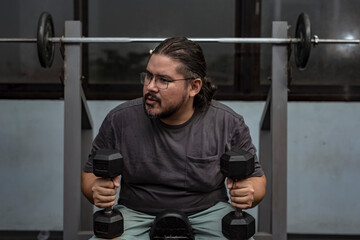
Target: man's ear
(195, 86)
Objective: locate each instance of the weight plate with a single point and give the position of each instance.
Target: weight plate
(46, 49)
(303, 48)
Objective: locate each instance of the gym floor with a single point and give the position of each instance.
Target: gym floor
(29, 235)
(57, 235)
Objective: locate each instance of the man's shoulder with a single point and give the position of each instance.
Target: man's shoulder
(222, 109)
(128, 106)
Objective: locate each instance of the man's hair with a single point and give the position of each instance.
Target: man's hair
(193, 64)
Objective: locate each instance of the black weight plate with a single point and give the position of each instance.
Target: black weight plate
(46, 49)
(303, 48)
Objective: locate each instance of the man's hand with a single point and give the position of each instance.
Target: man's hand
(247, 193)
(241, 193)
(104, 191)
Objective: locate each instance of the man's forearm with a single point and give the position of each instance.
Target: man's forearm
(259, 184)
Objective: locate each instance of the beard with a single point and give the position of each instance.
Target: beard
(164, 113)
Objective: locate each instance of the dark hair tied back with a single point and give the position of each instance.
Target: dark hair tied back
(191, 56)
(203, 99)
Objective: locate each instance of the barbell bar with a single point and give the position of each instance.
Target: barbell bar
(303, 40)
(314, 40)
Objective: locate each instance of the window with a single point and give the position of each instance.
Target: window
(20, 73)
(332, 72)
(119, 65)
(241, 71)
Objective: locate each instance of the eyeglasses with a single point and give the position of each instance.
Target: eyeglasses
(160, 81)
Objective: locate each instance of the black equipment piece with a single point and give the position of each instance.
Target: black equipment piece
(46, 49)
(303, 48)
(171, 224)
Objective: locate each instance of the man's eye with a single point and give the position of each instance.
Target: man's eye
(164, 80)
(149, 75)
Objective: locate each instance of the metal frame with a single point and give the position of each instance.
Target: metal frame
(78, 135)
(315, 40)
(273, 143)
(272, 223)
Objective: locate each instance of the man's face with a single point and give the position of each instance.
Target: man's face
(166, 103)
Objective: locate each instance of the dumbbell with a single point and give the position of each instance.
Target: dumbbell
(108, 223)
(237, 165)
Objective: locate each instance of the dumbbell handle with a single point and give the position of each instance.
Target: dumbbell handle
(108, 210)
(238, 211)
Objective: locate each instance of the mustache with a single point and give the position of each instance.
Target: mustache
(152, 96)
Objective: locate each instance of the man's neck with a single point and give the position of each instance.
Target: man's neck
(179, 117)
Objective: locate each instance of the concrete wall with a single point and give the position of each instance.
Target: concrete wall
(323, 163)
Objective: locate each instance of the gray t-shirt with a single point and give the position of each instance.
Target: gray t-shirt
(172, 167)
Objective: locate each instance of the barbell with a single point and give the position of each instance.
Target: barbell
(303, 40)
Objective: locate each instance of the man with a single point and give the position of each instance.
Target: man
(172, 140)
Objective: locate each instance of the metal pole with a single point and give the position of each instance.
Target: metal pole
(336, 41)
(143, 40)
(72, 133)
(78, 137)
(272, 223)
(18, 40)
(278, 126)
(68, 40)
(314, 40)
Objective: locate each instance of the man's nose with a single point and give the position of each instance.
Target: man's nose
(152, 85)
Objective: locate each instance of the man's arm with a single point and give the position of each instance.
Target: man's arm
(99, 191)
(247, 193)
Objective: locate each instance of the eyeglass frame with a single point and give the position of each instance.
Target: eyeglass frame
(147, 74)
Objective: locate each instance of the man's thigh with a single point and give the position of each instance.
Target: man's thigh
(206, 224)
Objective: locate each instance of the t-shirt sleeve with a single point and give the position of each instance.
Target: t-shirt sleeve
(241, 139)
(103, 140)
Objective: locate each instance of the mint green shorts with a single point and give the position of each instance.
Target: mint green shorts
(206, 224)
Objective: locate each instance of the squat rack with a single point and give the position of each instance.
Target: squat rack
(77, 218)
(78, 126)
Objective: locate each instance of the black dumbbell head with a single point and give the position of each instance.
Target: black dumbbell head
(234, 227)
(108, 224)
(107, 163)
(237, 164)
